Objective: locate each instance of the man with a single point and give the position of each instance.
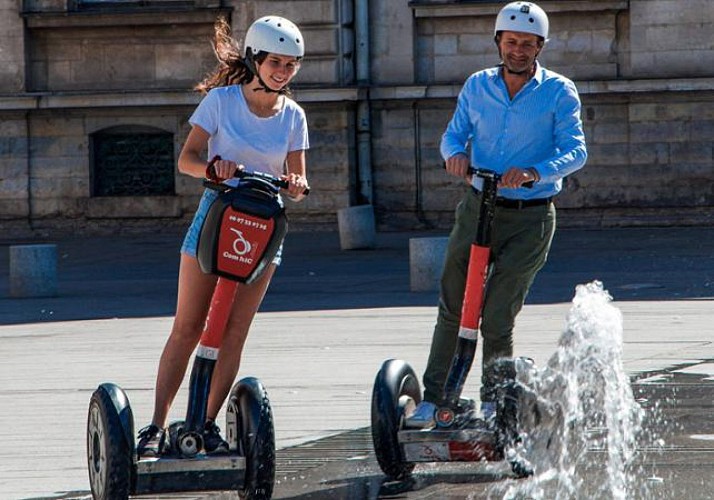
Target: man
(522, 121)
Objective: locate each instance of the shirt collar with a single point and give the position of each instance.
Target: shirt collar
(537, 75)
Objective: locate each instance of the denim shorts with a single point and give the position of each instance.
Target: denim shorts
(190, 242)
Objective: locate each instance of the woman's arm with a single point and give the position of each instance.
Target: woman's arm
(296, 174)
(192, 162)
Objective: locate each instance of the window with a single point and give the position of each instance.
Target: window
(132, 161)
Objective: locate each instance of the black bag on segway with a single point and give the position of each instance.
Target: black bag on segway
(242, 231)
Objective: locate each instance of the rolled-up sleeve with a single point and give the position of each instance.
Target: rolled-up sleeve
(569, 137)
(459, 131)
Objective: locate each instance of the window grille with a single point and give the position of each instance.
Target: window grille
(132, 162)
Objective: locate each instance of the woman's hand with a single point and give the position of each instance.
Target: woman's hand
(297, 184)
(220, 170)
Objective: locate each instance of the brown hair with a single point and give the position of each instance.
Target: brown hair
(232, 68)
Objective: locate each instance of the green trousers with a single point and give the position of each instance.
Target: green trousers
(520, 240)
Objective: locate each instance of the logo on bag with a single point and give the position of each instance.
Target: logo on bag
(241, 246)
(242, 242)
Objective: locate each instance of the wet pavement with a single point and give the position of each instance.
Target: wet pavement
(329, 320)
(675, 455)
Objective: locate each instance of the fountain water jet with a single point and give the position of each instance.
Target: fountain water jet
(579, 410)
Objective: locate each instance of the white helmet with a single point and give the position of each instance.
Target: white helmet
(276, 35)
(524, 17)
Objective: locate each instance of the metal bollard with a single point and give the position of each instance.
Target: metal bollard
(33, 270)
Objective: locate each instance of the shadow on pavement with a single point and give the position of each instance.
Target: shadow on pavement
(135, 276)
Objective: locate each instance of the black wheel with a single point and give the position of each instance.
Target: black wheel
(109, 454)
(249, 428)
(395, 387)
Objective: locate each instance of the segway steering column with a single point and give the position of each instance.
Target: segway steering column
(478, 269)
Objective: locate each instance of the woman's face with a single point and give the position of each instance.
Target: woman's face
(277, 70)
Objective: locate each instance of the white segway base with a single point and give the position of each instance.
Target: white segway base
(190, 474)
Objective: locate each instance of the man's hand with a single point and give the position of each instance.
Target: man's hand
(516, 177)
(458, 165)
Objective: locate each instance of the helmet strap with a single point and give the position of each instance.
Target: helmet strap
(526, 72)
(250, 62)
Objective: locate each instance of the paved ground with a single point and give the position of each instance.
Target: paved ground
(330, 318)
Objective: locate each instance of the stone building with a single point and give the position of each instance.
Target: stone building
(95, 97)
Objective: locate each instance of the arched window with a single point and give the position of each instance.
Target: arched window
(132, 160)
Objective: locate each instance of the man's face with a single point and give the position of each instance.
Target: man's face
(519, 50)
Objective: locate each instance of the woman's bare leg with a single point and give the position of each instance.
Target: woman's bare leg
(194, 296)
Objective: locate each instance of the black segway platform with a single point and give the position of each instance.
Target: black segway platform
(115, 471)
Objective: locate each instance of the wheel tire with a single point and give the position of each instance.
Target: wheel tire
(109, 457)
(249, 409)
(395, 384)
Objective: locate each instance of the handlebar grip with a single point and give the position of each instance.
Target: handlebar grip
(481, 172)
(215, 183)
(211, 170)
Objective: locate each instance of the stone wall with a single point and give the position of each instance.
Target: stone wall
(58, 170)
(671, 38)
(108, 56)
(643, 155)
(14, 153)
(647, 151)
(12, 48)
(642, 67)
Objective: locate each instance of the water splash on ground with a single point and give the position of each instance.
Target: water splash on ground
(581, 420)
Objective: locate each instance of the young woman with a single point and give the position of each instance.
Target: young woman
(248, 120)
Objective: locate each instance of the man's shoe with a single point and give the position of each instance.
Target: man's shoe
(213, 443)
(152, 440)
(422, 417)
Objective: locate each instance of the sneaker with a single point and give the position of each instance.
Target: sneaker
(422, 417)
(213, 443)
(152, 440)
(488, 410)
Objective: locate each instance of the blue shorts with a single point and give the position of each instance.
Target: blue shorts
(190, 242)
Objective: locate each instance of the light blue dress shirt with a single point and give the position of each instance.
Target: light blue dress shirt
(540, 128)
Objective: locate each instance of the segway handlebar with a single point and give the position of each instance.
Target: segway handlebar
(490, 174)
(213, 183)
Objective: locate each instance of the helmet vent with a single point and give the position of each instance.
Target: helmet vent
(513, 18)
(531, 20)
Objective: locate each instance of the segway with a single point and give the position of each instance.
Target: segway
(240, 237)
(459, 434)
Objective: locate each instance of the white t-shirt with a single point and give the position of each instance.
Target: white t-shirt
(261, 144)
